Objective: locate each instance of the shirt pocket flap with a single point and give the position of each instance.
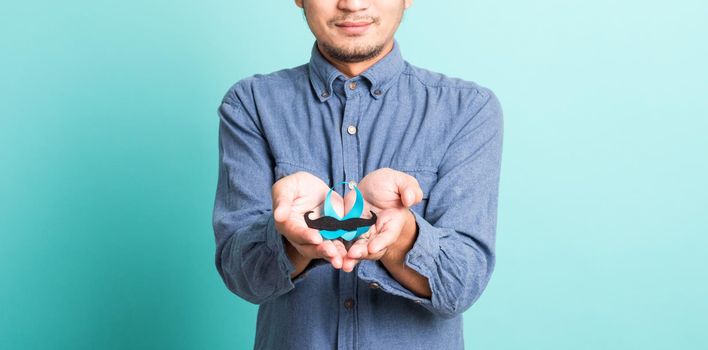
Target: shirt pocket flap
(285, 168)
(426, 179)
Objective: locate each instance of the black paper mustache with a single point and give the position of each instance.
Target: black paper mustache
(329, 223)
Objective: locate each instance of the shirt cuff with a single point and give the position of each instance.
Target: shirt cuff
(276, 242)
(419, 258)
(422, 255)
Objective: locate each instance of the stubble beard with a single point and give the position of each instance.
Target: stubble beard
(355, 54)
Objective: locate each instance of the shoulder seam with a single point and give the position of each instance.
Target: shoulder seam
(440, 86)
(301, 69)
(248, 80)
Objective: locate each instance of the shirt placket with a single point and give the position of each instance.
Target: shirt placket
(350, 149)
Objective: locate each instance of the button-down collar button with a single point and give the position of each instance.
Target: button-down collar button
(417, 301)
(374, 285)
(324, 94)
(377, 92)
(349, 303)
(352, 85)
(351, 129)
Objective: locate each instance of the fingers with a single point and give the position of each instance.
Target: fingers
(303, 235)
(329, 252)
(359, 249)
(378, 255)
(326, 250)
(356, 252)
(341, 249)
(347, 264)
(388, 231)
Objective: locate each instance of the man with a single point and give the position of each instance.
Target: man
(424, 149)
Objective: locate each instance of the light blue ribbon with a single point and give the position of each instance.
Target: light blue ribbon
(354, 213)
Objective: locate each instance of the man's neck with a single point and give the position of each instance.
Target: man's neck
(352, 69)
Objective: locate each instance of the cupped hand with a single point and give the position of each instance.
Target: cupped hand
(295, 195)
(388, 193)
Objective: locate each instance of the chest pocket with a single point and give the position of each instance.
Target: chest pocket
(427, 177)
(284, 168)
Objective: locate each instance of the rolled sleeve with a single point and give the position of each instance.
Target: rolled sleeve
(419, 258)
(253, 262)
(250, 254)
(427, 245)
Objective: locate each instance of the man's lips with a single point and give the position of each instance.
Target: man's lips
(354, 27)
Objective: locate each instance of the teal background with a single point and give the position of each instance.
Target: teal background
(108, 164)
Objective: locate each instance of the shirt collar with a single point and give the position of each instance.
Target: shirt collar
(381, 75)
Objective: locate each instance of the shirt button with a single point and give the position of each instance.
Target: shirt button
(349, 303)
(324, 94)
(352, 85)
(374, 285)
(352, 184)
(377, 92)
(417, 301)
(351, 129)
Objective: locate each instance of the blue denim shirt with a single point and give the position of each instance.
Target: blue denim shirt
(446, 132)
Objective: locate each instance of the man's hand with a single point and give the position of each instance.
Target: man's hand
(389, 193)
(293, 196)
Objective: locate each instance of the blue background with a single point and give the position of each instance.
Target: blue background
(108, 164)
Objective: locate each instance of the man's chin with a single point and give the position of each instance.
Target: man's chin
(353, 53)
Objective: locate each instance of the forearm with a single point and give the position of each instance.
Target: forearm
(394, 260)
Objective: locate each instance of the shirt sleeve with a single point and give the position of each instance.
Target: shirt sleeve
(250, 254)
(454, 248)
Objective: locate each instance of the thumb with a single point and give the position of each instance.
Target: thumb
(283, 197)
(408, 189)
(408, 197)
